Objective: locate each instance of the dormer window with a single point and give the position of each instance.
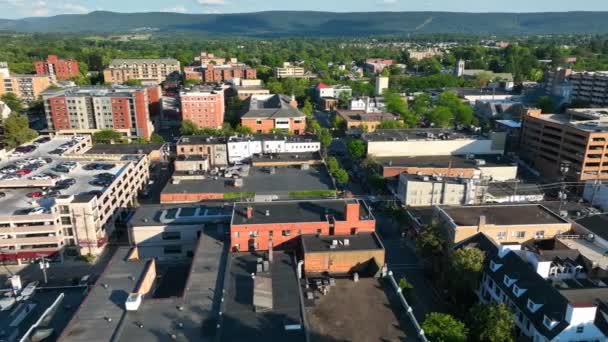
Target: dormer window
(494, 266)
(549, 323)
(517, 291)
(508, 281)
(533, 307)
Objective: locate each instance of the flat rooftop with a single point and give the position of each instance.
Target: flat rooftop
(479, 92)
(361, 311)
(239, 320)
(181, 214)
(296, 211)
(454, 161)
(598, 224)
(196, 309)
(16, 200)
(599, 125)
(524, 214)
(360, 115)
(124, 148)
(207, 139)
(358, 242)
(418, 134)
(286, 157)
(261, 182)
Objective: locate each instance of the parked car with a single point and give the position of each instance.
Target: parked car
(35, 194)
(23, 172)
(36, 211)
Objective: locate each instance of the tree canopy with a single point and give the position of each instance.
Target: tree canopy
(440, 327)
(17, 130)
(491, 323)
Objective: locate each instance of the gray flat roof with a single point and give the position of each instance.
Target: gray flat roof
(240, 322)
(456, 161)
(524, 214)
(296, 211)
(124, 148)
(261, 182)
(598, 224)
(358, 242)
(418, 134)
(181, 214)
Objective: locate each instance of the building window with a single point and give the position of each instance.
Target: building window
(171, 236)
(253, 233)
(501, 235)
(236, 234)
(286, 232)
(172, 250)
(66, 220)
(271, 233)
(520, 234)
(540, 234)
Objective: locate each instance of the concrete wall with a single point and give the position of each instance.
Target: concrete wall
(499, 173)
(433, 147)
(147, 279)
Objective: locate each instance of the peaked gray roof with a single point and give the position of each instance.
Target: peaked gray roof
(267, 107)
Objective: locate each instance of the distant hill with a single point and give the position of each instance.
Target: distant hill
(318, 23)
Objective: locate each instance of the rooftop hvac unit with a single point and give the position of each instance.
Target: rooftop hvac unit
(480, 162)
(133, 302)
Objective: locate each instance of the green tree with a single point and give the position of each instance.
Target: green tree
(341, 176)
(324, 137)
(332, 164)
(491, 323)
(394, 102)
(389, 124)
(421, 104)
(466, 265)
(188, 128)
(463, 115)
(107, 136)
(405, 285)
(355, 149)
(546, 104)
(440, 117)
(482, 79)
(13, 102)
(440, 327)
(240, 129)
(307, 108)
(156, 138)
(431, 245)
(17, 130)
(139, 140)
(190, 83)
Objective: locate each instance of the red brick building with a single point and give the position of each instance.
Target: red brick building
(264, 113)
(257, 226)
(61, 69)
(209, 68)
(89, 109)
(203, 106)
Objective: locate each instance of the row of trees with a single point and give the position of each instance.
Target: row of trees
(111, 136)
(459, 271)
(16, 127)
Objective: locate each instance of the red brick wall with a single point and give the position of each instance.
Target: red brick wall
(64, 70)
(59, 113)
(142, 115)
(210, 107)
(239, 234)
(335, 261)
(154, 96)
(121, 113)
(267, 125)
(189, 198)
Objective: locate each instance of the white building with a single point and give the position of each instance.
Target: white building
(431, 142)
(381, 85)
(242, 148)
(423, 191)
(367, 104)
(544, 291)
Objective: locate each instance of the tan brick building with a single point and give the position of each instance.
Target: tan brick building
(147, 70)
(503, 223)
(26, 87)
(549, 140)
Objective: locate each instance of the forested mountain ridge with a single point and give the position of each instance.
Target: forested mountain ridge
(309, 23)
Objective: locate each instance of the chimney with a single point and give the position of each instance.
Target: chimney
(482, 222)
(352, 212)
(293, 101)
(249, 212)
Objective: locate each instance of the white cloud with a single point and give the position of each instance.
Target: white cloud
(212, 2)
(390, 2)
(176, 8)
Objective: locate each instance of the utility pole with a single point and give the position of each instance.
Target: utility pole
(564, 168)
(43, 266)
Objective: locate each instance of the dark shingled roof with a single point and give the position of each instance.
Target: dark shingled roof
(270, 106)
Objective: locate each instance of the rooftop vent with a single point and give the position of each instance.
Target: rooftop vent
(267, 213)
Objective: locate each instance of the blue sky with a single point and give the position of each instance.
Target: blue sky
(26, 8)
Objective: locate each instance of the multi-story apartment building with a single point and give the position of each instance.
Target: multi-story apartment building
(203, 106)
(89, 109)
(289, 70)
(550, 141)
(267, 113)
(261, 226)
(209, 68)
(418, 191)
(241, 148)
(503, 223)
(78, 214)
(147, 70)
(551, 295)
(590, 87)
(376, 65)
(417, 55)
(25, 87)
(59, 68)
